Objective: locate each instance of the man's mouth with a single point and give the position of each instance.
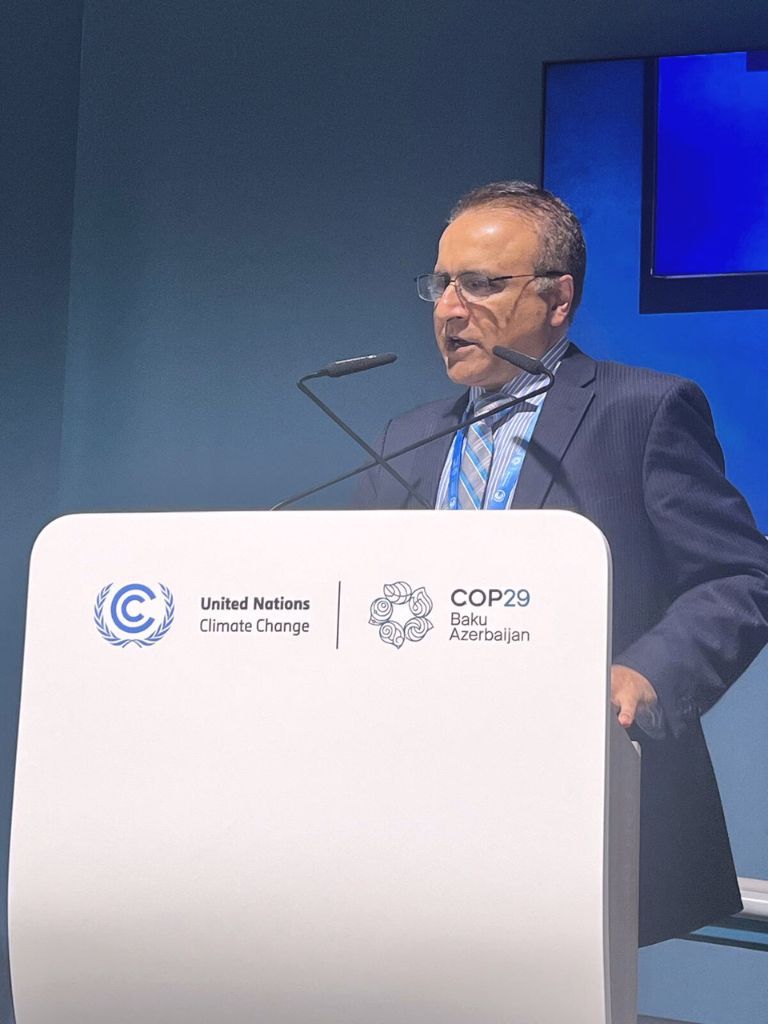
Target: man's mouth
(453, 343)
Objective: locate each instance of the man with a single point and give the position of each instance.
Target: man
(635, 452)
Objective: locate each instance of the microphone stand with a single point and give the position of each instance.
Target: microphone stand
(378, 459)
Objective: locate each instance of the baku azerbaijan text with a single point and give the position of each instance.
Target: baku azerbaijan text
(486, 634)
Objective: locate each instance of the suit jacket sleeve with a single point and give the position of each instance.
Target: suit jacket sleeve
(717, 562)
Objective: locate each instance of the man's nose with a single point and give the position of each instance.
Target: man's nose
(451, 303)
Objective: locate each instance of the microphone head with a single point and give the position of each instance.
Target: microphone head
(343, 367)
(518, 359)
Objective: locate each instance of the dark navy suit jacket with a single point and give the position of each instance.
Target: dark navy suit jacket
(635, 451)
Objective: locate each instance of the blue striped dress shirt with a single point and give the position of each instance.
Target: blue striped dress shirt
(509, 434)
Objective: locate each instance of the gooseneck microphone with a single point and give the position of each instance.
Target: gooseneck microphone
(342, 368)
(524, 362)
(518, 359)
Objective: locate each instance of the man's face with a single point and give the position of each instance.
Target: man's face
(496, 242)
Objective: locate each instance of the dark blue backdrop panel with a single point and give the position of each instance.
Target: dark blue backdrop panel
(712, 166)
(39, 74)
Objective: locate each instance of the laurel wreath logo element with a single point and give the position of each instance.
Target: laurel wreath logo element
(401, 614)
(125, 641)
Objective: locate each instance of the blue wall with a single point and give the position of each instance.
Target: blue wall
(593, 158)
(253, 188)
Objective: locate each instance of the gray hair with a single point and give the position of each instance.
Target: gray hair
(561, 240)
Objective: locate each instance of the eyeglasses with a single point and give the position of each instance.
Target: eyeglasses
(431, 287)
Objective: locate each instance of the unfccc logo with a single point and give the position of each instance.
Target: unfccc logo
(139, 615)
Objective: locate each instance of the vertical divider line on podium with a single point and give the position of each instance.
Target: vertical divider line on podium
(338, 614)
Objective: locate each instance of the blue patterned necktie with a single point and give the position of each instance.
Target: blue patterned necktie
(477, 456)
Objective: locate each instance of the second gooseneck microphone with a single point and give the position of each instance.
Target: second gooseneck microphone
(522, 361)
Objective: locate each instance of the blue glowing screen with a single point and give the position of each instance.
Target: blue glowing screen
(712, 165)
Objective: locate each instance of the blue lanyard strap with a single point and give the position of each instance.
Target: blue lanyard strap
(506, 486)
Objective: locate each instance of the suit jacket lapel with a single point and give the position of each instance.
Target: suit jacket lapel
(428, 461)
(560, 418)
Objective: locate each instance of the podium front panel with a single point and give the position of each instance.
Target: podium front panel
(313, 767)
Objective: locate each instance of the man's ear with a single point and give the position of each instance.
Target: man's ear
(560, 300)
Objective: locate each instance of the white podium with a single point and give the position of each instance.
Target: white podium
(322, 768)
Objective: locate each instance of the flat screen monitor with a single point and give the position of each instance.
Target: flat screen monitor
(705, 183)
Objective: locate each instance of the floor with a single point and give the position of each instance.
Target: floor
(660, 1020)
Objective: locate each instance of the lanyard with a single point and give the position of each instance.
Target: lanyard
(506, 486)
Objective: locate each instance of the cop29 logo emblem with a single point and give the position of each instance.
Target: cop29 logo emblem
(134, 614)
(401, 614)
